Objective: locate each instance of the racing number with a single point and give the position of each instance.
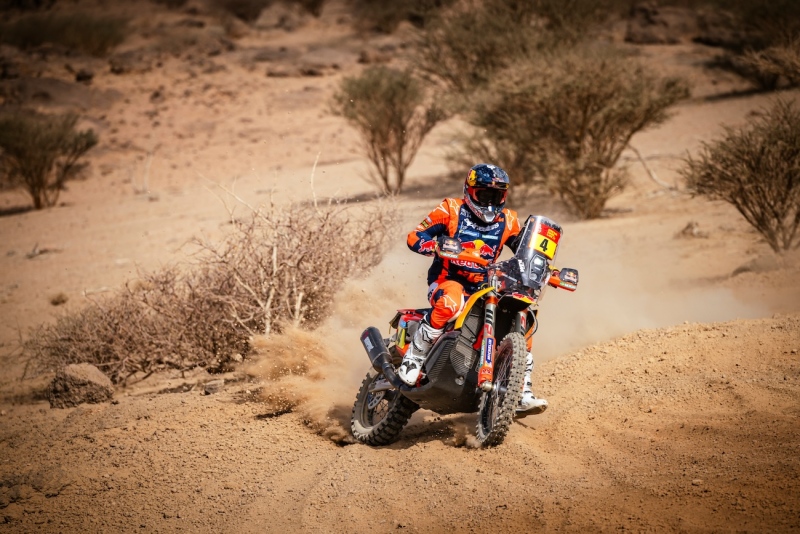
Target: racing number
(545, 246)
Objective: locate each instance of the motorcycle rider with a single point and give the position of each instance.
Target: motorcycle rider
(478, 221)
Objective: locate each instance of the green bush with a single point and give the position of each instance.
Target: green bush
(389, 109)
(562, 121)
(756, 168)
(41, 153)
(94, 35)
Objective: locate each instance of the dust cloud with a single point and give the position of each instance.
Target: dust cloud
(317, 373)
(628, 289)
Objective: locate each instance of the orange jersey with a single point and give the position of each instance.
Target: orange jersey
(454, 219)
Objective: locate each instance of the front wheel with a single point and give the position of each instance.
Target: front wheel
(498, 406)
(379, 416)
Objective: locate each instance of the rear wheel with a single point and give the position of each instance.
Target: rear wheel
(498, 406)
(379, 416)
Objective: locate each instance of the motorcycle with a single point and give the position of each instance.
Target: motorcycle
(466, 370)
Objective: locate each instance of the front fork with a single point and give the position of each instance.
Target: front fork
(486, 371)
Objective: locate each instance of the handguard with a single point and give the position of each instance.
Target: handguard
(450, 248)
(564, 278)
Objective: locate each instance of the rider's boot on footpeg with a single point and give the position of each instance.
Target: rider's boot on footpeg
(529, 402)
(417, 352)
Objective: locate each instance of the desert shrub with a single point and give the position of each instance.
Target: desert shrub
(389, 109)
(41, 153)
(246, 10)
(171, 4)
(311, 6)
(563, 121)
(26, 5)
(91, 34)
(280, 266)
(250, 10)
(766, 23)
(756, 168)
(574, 20)
(776, 62)
(383, 16)
(747, 66)
(465, 46)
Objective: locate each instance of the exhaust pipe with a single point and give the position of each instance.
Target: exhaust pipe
(379, 356)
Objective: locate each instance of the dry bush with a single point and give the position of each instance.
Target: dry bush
(465, 46)
(280, 266)
(745, 66)
(572, 21)
(25, 5)
(390, 110)
(385, 17)
(756, 168)
(246, 10)
(759, 38)
(90, 34)
(250, 10)
(776, 62)
(563, 122)
(40, 153)
(171, 4)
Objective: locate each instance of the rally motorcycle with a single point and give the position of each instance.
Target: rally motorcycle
(466, 370)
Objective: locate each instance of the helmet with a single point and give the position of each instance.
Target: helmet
(485, 191)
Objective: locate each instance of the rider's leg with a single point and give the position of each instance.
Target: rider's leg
(529, 402)
(447, 300)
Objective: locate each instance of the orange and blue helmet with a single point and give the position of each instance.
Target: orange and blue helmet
(485, 191)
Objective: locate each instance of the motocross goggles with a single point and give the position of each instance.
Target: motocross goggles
(488, 196)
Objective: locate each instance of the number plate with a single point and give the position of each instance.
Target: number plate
(546, 241)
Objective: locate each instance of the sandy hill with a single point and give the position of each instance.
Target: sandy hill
(672, 373)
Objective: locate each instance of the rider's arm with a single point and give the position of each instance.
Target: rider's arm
(512, 234)
(422, 239)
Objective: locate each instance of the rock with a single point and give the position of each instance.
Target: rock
(368, 57)
(79, 383)
(279, 16)
(273, 54)
(9, 69)
(215, 386)
(84, 76)
(692, 229)
(132, 62)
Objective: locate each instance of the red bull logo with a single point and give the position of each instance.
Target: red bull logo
(484, 250)
(428, 246)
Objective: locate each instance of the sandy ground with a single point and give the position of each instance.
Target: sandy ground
(674, 383)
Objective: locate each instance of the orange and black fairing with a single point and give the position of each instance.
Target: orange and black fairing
(452, 218)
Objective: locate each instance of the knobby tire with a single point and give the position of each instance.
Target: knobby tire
(383, 431)
(498, 407)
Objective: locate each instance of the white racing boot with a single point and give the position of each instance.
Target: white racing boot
(529, 403)
(417, 352)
